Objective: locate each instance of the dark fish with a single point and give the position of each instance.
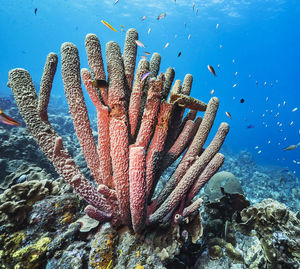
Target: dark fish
(280, 180)
(35, 11)
(100, 84)
(8, 120)
(179, 54)
(211, 70)
(250, 126)
(242, 101)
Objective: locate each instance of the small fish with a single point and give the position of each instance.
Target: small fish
(284, 103)
(280, 180)
(139, 43)
(167, 45)
(143, 18)
(211, 70)
(8, 120)
(217, 26)
(100, 84)
(235, 74)
(295, 109)
(193, 6)
(250, 126)
(122, 29)
(35, 11)
(259, 152)
(267, 98)
(147, 53)
(221, 46)
(256, 147)
(291, 147)
(161, 16)
(197, 11)
(228, 115)
(189, 36)
(233, 61)
(278, 105)
(256, 82)
(218, 65)
(269, 141)
(291, 123)
(145, 76)
(149, 31)
(144, 57)
(108, 25)
(179, 54)
(122, 26)
(249, 76)
(116, 2)
(265, 83)
(234, 85)
(242, 100)
(212, 91)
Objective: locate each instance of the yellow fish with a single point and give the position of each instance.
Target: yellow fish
(108, 25)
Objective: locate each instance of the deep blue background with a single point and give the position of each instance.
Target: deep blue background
(262, 37)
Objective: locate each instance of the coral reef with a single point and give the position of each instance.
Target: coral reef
(277, 229)
(137, 127)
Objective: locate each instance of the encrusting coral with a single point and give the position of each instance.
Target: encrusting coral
(140, 133)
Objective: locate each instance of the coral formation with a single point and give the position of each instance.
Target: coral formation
(137, 127)
(277, 229)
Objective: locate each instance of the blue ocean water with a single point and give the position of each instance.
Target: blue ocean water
(259, 40)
